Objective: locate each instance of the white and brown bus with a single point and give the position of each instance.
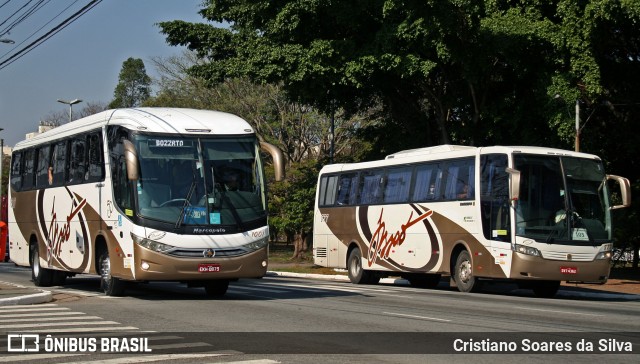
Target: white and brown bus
(536, 216)
(140, 195)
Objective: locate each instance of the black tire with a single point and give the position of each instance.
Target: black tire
(216, 288)
(59, 278)
(357, 274)
(41, 277)
(424, 280)
(545, 289)
(110, 285)
(463, 274)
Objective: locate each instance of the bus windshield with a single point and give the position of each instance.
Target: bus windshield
(562, 200)
(199, 181)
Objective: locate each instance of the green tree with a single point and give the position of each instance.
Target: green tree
(133, 86)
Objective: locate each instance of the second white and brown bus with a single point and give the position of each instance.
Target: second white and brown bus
(142, 195)
(535, 216)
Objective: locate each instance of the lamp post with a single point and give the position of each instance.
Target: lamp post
(577, 146)
(70, 103)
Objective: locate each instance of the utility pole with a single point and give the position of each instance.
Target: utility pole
(577, 126)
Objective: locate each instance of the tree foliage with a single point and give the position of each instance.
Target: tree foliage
(134, 85)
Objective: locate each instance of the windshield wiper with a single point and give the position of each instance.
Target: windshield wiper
(186, 202)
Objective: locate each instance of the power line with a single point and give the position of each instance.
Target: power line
(37, 6)
(49, 34)
(38, 30)
(16, 12)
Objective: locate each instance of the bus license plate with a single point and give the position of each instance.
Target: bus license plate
(568, 270)
(208, 268)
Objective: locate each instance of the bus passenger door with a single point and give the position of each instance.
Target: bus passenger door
(496, 211)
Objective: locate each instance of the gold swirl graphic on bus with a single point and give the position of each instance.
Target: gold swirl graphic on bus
(58, 234)
(381, 242)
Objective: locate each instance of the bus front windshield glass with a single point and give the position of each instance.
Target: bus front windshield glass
(199, 181)
(562, 200)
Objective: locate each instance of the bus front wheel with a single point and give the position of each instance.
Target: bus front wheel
(41, 277)
(110, 285)
(546, 289)
(357, 274)
(216, 288)
(463, 276)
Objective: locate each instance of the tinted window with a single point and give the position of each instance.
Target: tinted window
(28, 172)
(371, 187)
(16, 171)
(43, 167)
(95, 158)
(397, 185)
(59, 159)
(77, 163)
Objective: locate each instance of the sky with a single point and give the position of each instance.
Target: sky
(83, 60)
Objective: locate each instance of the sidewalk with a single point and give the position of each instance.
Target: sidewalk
(13, 294)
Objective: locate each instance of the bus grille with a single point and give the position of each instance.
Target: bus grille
(199, 253)
(321, 252)
(584, 257)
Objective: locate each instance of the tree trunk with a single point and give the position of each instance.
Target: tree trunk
(299, 245)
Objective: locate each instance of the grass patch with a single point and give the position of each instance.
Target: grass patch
(280, 260)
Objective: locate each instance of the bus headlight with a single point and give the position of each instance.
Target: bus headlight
(528, 250)
(603, 255)
(151, 244)
(256, 245)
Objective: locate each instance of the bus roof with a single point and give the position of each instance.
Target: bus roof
(162, 120)
(448, 151)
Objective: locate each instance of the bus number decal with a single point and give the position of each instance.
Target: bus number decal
(381, 242)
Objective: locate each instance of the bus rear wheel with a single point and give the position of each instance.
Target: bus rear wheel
(357, 274)
(41, 277)
(110, 285)
(463, 275)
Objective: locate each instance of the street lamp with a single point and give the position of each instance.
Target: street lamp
(70, 103)
(8, 41)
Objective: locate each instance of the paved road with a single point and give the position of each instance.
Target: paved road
(271, 319)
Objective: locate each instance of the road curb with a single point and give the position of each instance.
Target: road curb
(39, 296)
(403, 282)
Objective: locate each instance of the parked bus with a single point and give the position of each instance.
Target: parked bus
(141, 195)
(535, 216)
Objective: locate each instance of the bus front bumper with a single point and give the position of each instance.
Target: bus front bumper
(536, 268)
(154, 266)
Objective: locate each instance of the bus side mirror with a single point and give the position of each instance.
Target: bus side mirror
(625, 191)
(131, 160)
(514, 185)
(278, 159)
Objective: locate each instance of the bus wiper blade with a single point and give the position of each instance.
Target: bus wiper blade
(186, 202)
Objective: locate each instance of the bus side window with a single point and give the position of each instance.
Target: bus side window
(28, 171)
(77, 160)
(16, 171)
(59, 158)
(427, 182)
(95, 161)
(328, 186)
(42, 166)
(371, 187)
(346, 189)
